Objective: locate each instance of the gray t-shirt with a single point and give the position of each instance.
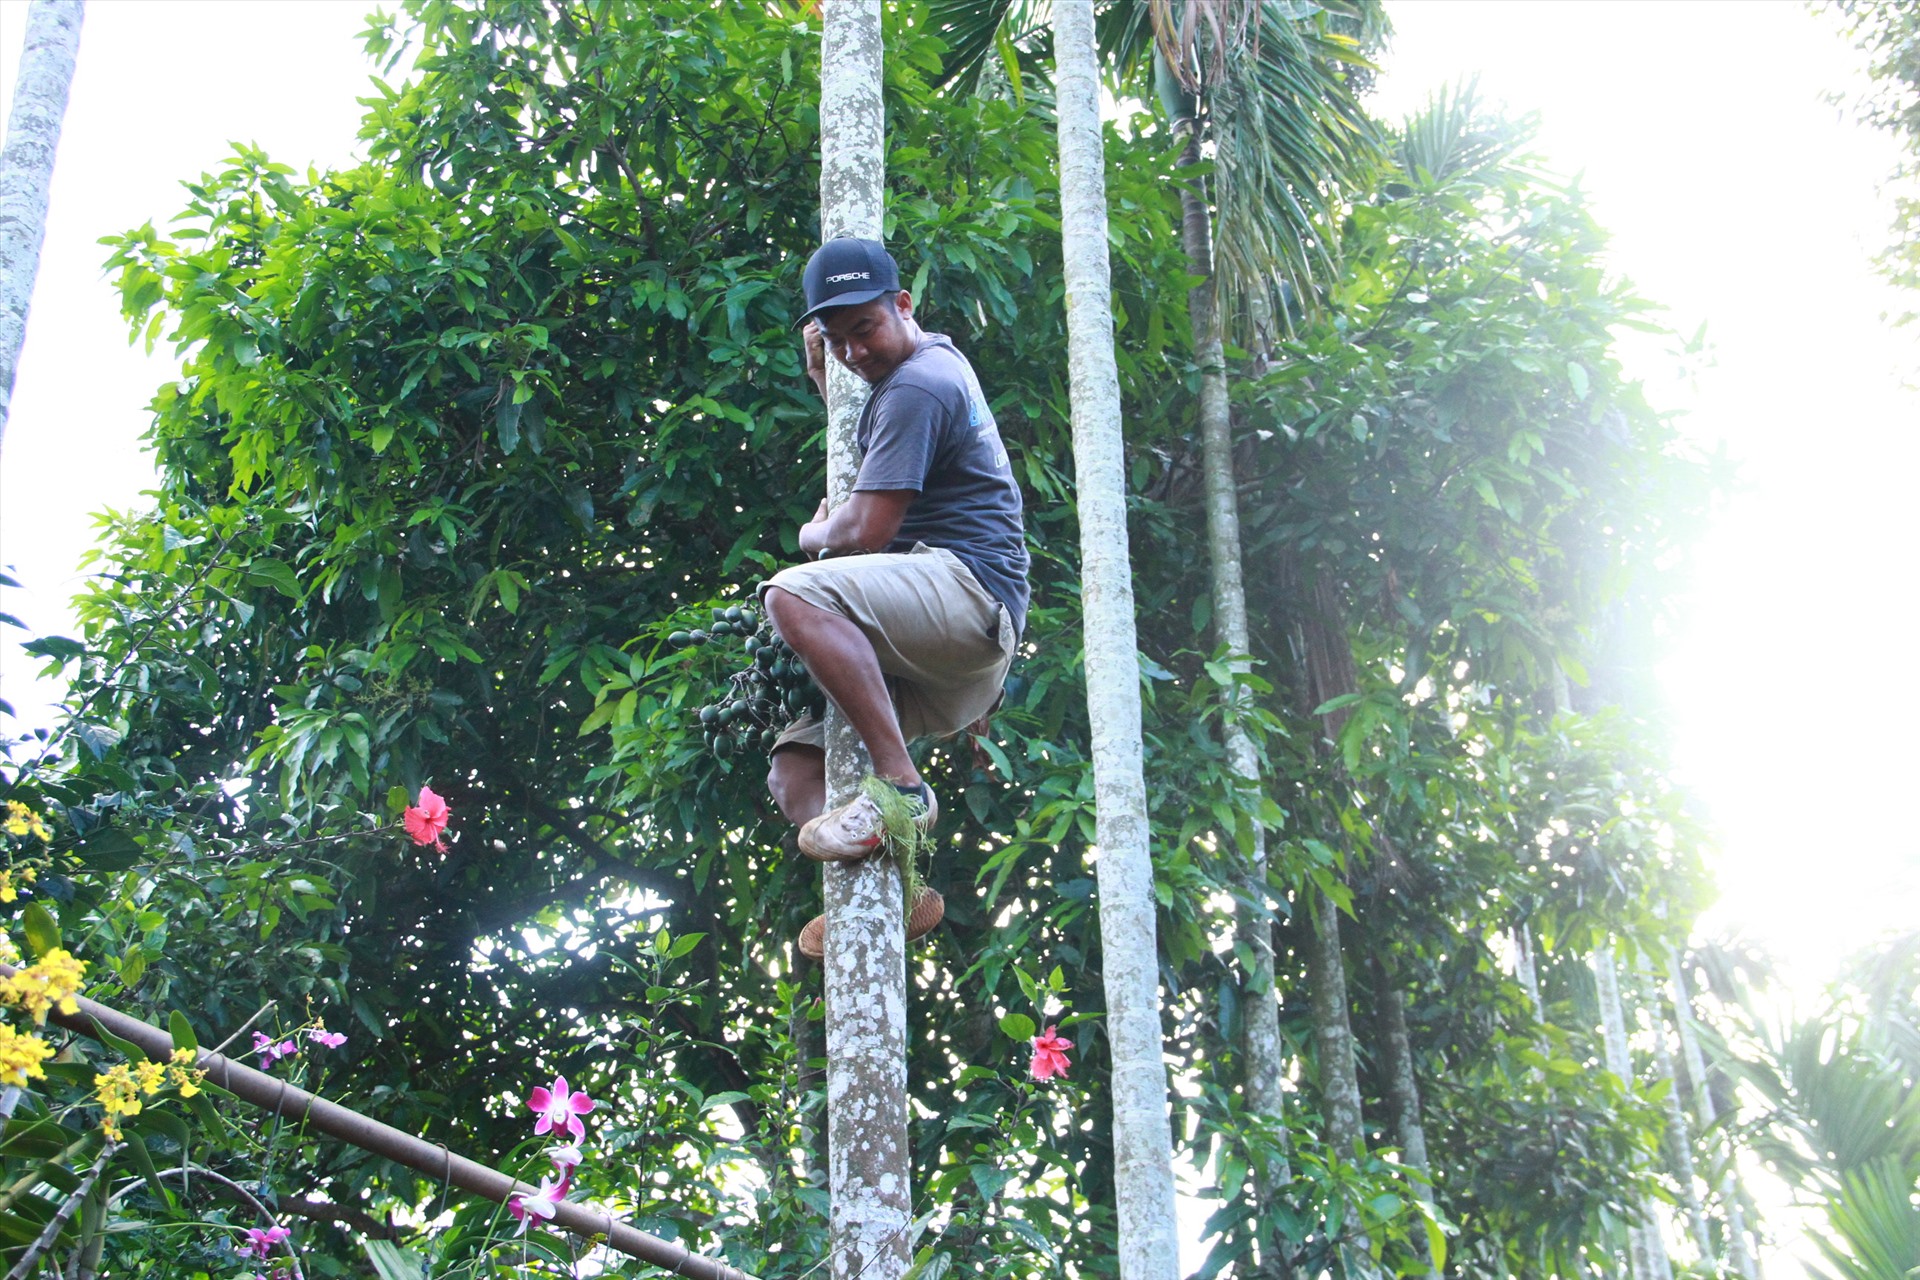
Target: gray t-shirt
(927, 428)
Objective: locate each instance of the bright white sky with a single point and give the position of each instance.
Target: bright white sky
(1737, 196)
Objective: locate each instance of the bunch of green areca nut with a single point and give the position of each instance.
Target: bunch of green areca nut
(754, 704)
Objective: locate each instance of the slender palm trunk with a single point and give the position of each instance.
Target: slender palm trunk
(1403, 1091)
(866, 978)
(1142, 1132)
(1750, 1212)
(1647, 1254)
(1739, 1251)
(1403, 1088)
(1526, 968)
(26, 170)
(1260, 1043)
(1326, 658)
(1339, 1062)
(1679, 1138)
(1333, 1032)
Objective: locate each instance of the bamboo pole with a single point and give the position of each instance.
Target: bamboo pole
(330, 1118)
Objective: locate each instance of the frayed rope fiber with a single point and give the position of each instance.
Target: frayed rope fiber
(905, 841)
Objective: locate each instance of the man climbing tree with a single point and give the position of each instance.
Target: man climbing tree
(909, 613)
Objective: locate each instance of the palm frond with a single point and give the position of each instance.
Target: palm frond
(1290, 139)
(1836, 1103)
(1453, 137)
(983, 34)
(1123, 31)
(1860, 1107)
(1875, 1224)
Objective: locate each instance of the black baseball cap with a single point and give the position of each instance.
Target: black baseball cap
(846, 272)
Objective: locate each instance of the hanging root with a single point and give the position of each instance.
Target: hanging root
(905, 842)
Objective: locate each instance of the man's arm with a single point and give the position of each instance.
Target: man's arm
(869, 519)
(866, 521)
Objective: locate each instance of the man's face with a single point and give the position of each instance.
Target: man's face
(872, 338)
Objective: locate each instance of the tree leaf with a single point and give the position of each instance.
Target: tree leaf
(506, 425)
(275, 574)
(56, 647)
(990, 1180)
(43, 932)
(110, 849)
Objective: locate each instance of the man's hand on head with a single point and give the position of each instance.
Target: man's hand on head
(816, 356)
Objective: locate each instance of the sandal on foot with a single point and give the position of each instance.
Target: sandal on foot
(929, 909)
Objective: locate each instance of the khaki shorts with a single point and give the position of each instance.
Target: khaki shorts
(944, 643)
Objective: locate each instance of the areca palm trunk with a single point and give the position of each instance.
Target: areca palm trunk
(866, 977)
(1260, 1042)
(26, 170)
(1403, 1088)
(1647, 1254)
(1739, 1254)
(1326, 654)
(1333, 1031)
(1142, 1131)
(1527, 969)
(1339, 1059)
(1679, 1139)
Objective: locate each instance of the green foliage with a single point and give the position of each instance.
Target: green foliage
(1889, 34)
(1840, 1111)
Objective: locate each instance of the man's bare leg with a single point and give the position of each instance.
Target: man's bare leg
(797, 778)
(841, 661)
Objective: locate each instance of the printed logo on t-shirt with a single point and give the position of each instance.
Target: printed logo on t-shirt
(981, 420)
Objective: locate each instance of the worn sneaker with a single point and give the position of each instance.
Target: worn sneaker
(929, 909)
(855, 830)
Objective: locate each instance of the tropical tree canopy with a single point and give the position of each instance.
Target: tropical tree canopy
(464, 435)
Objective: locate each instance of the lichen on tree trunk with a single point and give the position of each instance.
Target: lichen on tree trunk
(1142, 1131)
(867, 1157)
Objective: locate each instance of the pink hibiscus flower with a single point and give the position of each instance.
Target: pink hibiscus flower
(1050, 1055)
(426, 820)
